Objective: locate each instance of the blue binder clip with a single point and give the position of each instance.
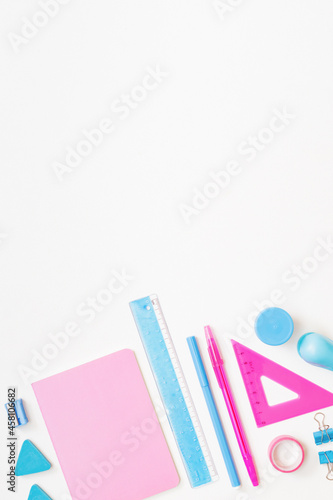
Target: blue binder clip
(326, 457)
(325, 433)
(17, 413)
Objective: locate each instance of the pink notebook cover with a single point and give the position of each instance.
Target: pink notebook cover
(105, 431)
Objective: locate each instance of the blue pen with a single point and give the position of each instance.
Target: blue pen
(214, 415)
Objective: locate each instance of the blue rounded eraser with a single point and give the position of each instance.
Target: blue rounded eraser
(274, 326)
(316, 350)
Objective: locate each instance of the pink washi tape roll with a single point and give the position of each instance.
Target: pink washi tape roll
(286, 454)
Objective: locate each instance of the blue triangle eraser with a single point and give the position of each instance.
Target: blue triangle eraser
(36, 493)
(30, 460)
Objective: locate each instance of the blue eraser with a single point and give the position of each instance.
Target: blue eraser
(36, 493)
(17, 412)
(274, 326)
(30, 460)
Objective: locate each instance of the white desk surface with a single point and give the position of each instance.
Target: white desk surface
(120, 207)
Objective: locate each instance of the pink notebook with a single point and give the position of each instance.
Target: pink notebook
(105, 431)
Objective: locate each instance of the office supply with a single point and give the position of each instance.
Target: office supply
(30, 460)
(325, 433)
(36, 493)
(316, 350)
(217, 363)
(16, 409)
(197, 360)
(286, 454)
(253, 366)
(274, 326)
(105, 431)
(173, 389)
(326, 457)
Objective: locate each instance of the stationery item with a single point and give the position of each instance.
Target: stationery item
(105, 431)
(197, 360)
(274, 326)
(36, 493)
(316, 350)
(30, 460)
(326, 457)
(173, 389)
(253, 366)
(16, 410)
(223, 382)
(325, 433)
(286, 454)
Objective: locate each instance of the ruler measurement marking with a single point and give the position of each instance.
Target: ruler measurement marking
(181, 378)
(247, 367)
(175, 406)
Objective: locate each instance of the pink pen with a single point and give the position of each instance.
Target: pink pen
(222, 380)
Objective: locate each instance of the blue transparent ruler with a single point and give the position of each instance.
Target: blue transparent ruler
(173, 390)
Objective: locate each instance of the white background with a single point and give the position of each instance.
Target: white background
(120, 208)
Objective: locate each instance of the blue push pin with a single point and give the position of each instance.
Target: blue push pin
(274, 326)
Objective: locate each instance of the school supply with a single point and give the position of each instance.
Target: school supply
(217, 363)
(325, 433)
(173, 389)
(17, 411)
(326, 457)
(30, 460)
(274, 326)
(253, 366)
(316, 350)
(202, 376)
(36, 493)
(105, 431)
(286, 454)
